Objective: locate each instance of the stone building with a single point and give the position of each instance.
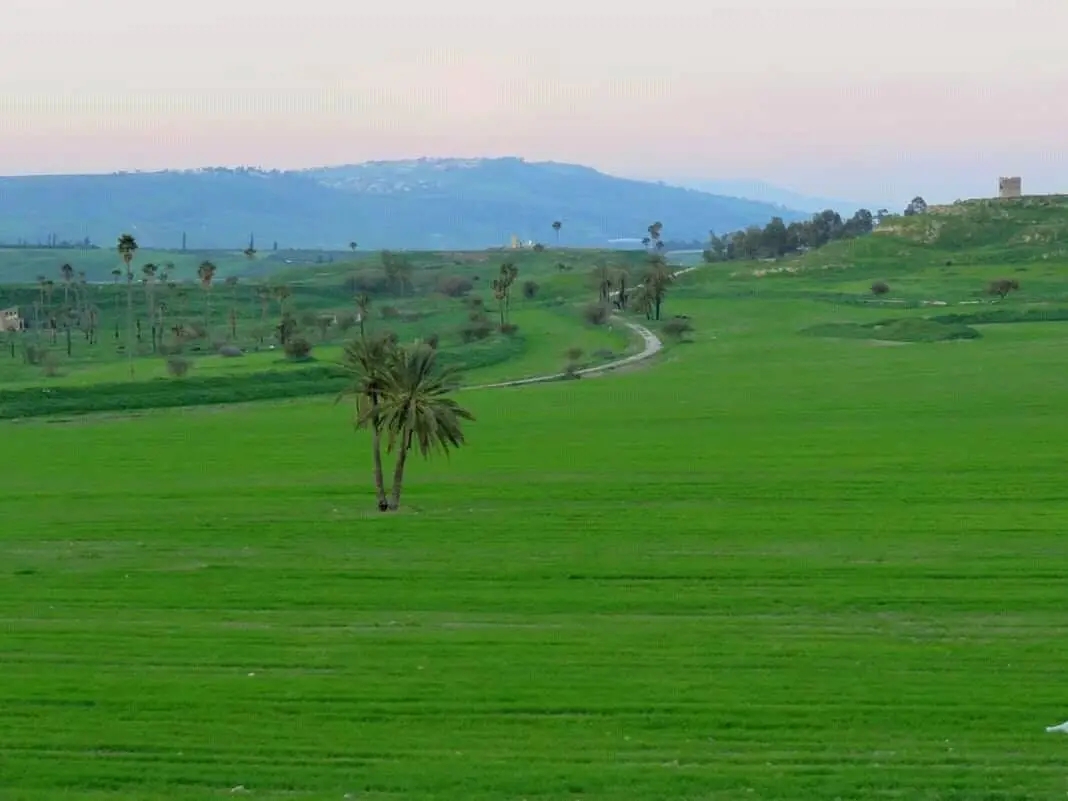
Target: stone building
(1009, 187)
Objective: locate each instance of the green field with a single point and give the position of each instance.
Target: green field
(766, 565)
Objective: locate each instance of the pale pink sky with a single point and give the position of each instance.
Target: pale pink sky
(861, 98)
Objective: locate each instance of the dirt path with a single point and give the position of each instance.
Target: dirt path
(652, 345)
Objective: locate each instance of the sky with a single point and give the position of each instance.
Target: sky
(866, 99)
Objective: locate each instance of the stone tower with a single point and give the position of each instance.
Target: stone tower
(1009, 187)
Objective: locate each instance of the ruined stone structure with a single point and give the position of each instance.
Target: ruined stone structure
(1009, 187)
(10, 320)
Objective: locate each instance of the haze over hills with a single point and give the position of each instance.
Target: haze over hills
(776, 195)
(424, 203)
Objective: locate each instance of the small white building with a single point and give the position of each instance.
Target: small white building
(10, 320)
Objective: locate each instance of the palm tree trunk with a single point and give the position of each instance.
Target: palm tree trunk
(129, 325)
(398, 472)
(376, 456)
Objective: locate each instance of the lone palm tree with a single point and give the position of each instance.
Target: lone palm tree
(206, 274)
(353, 245)
(149, 271)
(416, 409)
(127, 247)
(67, 272)
(363, 309)
(368, 362)
(231, 281)
(557, 225)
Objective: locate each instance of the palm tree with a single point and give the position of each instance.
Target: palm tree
(657, 279)
(509, 272)
(67, 272)
(557, 225)
(281, 294)
(149, 271)
(415, 408)
(127, 247)
(353, 245)
(115, 275)
(250, 251)
(231, 281)
(206, 273)
(368, 362)
(603, 278)
(500, 293)
(363, 309)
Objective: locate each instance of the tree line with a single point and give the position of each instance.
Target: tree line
(777, 238)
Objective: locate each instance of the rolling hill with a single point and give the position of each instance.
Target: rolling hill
(421, 204)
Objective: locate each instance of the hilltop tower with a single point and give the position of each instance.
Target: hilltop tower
(1009, 187)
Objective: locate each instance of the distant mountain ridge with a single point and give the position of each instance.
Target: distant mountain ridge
(415, 204)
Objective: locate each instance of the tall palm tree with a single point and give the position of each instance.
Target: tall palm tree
(363, 309)
(149, 272)
(368, 362)
(231, 281)
(281, 294)
(557, 225)
(657, 279)
(509, 272)
(67, 273)
(353, 244)
(415, 409)
(206, 274)
(127, 247)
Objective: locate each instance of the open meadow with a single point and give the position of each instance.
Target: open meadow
(779, 561)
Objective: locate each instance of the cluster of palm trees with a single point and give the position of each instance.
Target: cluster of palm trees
(403, 396)
(502, 290)
(647, 297)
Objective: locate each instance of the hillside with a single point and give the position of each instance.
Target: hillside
(423, 204)
(957, 249)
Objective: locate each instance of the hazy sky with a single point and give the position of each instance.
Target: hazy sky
(866, 99)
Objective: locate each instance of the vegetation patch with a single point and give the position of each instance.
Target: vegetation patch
(906, 329)
(183, 390)
(993, 316)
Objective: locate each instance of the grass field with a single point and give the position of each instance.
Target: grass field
(766, 566)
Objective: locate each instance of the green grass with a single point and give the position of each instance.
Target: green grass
(769, 567)
(905, 329)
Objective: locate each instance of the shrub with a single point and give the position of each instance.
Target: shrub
(476, 330)
(178, 366)
(530, 289)
(573, 354)
(34, 354)
(369, 282)
(509, 329)
(880, 288)
(455, 286)
(433, 341)
(677, 328)
(49, 364)
(538, 247)
(231, 351)
(390, 312)
(298, 348)
(476, 303)
(1003, 286)
(596, 313)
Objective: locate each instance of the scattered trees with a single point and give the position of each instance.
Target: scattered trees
(916, 206)
(778, 239)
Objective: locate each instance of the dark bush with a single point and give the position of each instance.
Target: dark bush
(390, 312)
(231, 351)
(1002, 287)
(369, 282)
(530, 289)
(433, 341)
(455, 286)
(596, 313)
(177, 366)
(298, 348)
(476, 330)
(880, 288)
(509, 329)
(539, 247)
(573, 354)
(677, 327)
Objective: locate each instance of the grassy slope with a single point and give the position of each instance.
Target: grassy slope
(772, 567)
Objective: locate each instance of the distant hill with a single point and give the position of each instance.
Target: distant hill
(421, 204)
